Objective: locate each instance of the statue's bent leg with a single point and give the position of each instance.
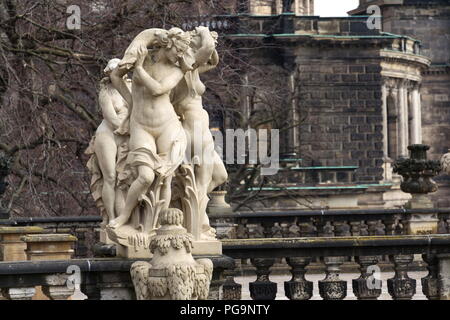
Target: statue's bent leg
(138, 188)
(219, 175)
(121, 196)
(106, 151)
(165, 145)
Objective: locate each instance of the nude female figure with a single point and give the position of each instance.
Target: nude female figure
(210, 172)
(157, 139)
(106, 144)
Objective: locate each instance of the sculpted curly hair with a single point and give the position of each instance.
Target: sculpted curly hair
(175, 37)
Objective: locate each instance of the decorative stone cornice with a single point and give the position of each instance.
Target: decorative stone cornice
(402, 57)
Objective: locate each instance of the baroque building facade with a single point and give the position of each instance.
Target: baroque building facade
(361, 94)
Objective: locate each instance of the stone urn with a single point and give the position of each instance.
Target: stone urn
(173, 274)
(418, 173)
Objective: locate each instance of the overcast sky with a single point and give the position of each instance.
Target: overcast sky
(334, 8)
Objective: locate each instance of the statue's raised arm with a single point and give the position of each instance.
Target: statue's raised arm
(148, 38)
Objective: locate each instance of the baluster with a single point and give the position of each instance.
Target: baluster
(268, 229)
(255, 231)
(442, 226)
(277, 230)
(355, 228)
(333, 288)
(242, 231)
(390, 224)
(298, 288)
(366, 287)
(400, 229)
(381, 228)
(285, 229)
(375, 228)
(263, 288)
(325, 229)
(307, 229)
(430, 283)
(364, 229)
(341, 228)
(294, 230)
(401, 287)
(231, 289)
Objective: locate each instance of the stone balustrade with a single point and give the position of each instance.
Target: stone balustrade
(84, 228)
(98, 279)
(321, 223)
(299, 252)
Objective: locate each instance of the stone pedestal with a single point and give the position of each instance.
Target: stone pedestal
(12, 248)
(421, 223)
(133, 253)
(44, 247)
(41, 247)
(418, 173)
(207, 247)
(217, 203)
(173, 273)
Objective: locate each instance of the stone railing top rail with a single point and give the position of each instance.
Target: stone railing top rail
(358, 214)
(336, 246)
(86, 265)
(37, 220)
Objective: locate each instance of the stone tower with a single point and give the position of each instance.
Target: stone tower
(429, 22)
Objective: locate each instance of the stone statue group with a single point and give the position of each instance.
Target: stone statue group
(154, 151)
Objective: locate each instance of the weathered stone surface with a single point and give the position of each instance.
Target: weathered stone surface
(42, 247)
(12, 248)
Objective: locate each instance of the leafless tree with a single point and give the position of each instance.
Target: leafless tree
(48, 90)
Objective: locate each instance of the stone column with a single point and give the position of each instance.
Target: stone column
(306, 8)
(419, 119)
(403, 115)
(384, 95)
(295, 117)
(416, 122)
(288, 6)
(279, 6)
(387, 161)
(299, 8)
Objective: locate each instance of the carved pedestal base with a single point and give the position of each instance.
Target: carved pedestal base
(130, 243)
(217, 204)
(421, 223)
(132, 253)
(173, 273)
